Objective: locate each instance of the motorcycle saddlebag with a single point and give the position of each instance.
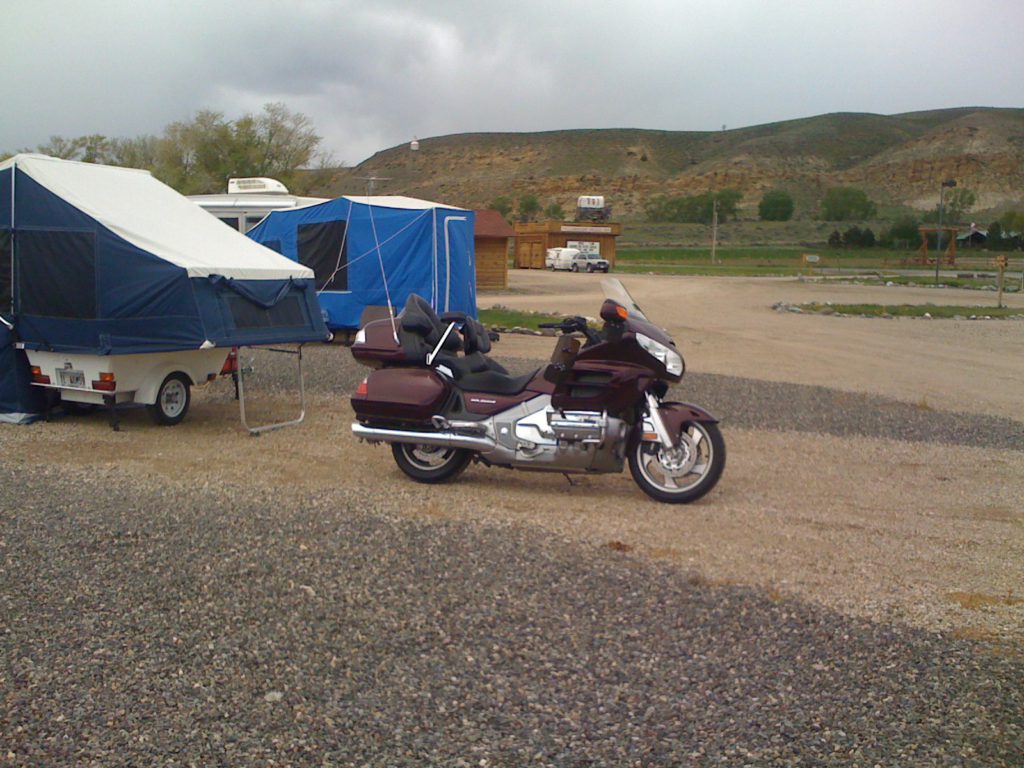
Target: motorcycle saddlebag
(405, 395)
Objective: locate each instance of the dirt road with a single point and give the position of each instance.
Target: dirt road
(726, 325)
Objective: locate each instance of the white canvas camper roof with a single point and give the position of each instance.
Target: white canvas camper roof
(155, 218)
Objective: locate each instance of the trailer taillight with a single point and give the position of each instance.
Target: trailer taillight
(230, 363)
(38, 377)
(105, 383)
(363, 389)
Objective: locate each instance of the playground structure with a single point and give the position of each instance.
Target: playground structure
(921, 255)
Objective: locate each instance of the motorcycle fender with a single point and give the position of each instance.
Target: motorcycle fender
(674, 415)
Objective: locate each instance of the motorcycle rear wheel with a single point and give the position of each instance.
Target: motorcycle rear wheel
(685, 474)
(429, 463)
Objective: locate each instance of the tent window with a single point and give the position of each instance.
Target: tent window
(57, 274)
(246, 315)
(5, 271)
(322, 248)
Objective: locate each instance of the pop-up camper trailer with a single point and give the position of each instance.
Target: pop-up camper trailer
(375, 251)
(123, 290)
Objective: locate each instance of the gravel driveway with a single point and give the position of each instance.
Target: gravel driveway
(164, 624)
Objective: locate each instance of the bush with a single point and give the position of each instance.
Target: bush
(776, 205)
(903, 234)
(696, 209)
(846, 203)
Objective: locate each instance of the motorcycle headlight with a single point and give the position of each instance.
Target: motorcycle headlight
(668, 357)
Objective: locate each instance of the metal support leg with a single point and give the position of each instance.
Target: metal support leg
(242, 370)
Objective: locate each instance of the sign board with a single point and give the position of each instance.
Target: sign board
(584, 230)
(585, 246)
(811, 258)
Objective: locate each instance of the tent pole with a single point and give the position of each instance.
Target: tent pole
(14, 173)
(448, 259)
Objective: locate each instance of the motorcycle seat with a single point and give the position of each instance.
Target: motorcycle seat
(495, 383)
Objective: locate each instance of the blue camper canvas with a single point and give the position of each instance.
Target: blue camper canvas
(108, 261)
(375, 251)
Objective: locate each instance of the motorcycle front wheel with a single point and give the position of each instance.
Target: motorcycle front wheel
(429, 463)
(685, 473)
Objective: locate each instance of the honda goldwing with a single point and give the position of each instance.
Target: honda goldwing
(441, 402)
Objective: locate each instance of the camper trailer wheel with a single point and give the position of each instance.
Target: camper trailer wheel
(172, 400)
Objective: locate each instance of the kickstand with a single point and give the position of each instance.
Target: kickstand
(568, 477)
(115, 422)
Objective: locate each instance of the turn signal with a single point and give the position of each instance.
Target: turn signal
(105, 383)
(363, 389)
(38, 377)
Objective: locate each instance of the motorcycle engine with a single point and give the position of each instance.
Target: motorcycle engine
(570, 440)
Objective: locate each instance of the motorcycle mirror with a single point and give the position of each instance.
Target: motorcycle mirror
(613, 312)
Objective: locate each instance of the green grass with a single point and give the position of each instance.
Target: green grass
(911, 310)
(760, 261)
(511, 318)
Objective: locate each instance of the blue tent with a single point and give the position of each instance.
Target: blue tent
(109, 261)
(375, 251)
(20, 402)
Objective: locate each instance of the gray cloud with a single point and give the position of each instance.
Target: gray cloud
(372, 75)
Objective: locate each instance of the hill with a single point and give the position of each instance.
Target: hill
(899, 160)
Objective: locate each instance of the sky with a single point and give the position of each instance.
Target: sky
(373, 75)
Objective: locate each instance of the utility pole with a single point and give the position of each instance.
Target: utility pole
(714, 231)
(938, 236)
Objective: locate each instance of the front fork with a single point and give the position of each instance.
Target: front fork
(656, 423)
(664, 422)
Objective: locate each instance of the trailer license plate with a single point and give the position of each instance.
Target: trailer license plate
(72, 379)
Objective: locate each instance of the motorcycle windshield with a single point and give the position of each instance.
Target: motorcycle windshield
(617, 292)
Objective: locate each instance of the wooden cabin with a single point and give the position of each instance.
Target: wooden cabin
(491, 236)
(534, 238)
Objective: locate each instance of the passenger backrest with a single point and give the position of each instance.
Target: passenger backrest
(421, 329)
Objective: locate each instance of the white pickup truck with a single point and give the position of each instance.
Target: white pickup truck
(574, 261)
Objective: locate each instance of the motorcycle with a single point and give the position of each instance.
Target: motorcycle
(598, 404)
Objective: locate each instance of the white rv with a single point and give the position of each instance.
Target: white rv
(248, 200)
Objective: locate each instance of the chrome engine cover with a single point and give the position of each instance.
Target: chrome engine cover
(535, 435)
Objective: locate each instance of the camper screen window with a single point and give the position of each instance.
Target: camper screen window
(5, 271)
(286, 313)
(322, 248)
(57, 274)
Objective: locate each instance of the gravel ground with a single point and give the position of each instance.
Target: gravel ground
(150, 622)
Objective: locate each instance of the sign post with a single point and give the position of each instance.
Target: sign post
(1001, 263)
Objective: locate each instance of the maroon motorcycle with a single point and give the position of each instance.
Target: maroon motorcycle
(441, 402)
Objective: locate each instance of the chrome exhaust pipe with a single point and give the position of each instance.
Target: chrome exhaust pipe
(440, 439)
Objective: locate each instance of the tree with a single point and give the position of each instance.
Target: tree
(835, 239)
(959, 204)
(904, 233)
(529, 207)
(775, 205)
(956, 205)
(554, 211)
(846, 203)
(200, 154)
(502, 205)
(693, 209)
(727, 200)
